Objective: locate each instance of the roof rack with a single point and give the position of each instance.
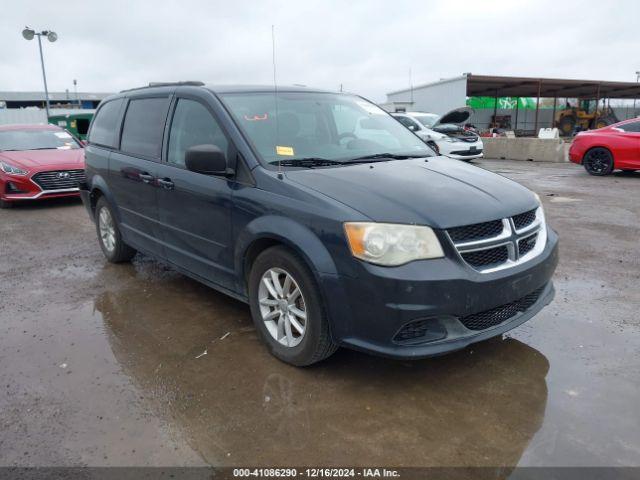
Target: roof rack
(193, 83)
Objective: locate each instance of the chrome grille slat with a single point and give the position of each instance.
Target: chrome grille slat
(49, 180)
(487, 248)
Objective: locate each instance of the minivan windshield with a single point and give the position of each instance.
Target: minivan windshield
(35, 139)
(297, 128)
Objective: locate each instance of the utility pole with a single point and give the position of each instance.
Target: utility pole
(75, 88)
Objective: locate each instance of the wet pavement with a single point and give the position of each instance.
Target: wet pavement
(104, 364)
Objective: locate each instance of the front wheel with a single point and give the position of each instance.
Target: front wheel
(598, 161)
(5, 204)
(109, 237)
(287, 308)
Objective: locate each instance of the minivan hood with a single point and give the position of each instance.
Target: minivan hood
(458, 116)
(437, 191)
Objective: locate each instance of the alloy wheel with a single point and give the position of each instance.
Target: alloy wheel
(598, 161)
(282, 307)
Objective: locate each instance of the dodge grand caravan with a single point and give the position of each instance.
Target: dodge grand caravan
(336, 224)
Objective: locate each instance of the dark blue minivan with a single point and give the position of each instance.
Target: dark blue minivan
(337, 225)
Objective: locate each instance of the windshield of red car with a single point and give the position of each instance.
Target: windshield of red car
(11, 140)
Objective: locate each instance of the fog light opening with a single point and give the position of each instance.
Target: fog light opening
(419, 331)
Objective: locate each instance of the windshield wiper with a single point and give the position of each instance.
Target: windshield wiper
(308, 162)
(382, 157)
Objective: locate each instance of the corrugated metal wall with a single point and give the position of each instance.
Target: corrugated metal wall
(22, 115)
(440, 97)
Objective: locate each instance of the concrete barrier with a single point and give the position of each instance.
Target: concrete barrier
(531, 149)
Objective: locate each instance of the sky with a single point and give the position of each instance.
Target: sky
(369, 47)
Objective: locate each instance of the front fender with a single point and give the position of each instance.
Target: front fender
(289, 232)
(308, 245)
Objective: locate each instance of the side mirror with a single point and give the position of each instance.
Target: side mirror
(412, 128)
(207, 159)
(84, 143)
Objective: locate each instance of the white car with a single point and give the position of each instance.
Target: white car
(445, 133)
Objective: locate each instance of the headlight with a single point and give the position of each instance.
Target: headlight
(390, 244)
(6, 168)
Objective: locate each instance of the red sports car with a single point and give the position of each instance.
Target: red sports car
(605, 149)
(37, 162)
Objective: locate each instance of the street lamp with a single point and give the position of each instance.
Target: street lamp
(28, 34)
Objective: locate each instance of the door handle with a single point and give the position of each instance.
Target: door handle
(165, 183)
(145, 177)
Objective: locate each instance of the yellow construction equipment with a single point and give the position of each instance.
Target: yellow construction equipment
(585, 116)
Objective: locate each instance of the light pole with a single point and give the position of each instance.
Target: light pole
(75, 88)
(28, 34)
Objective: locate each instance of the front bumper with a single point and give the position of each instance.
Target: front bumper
(368, 311)
(575, 155)
(16, 188)
(461, 150)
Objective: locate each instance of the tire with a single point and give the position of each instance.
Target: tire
(5, 204)
(566, 125)
(110, 239)
(598, 162)
(282, 333)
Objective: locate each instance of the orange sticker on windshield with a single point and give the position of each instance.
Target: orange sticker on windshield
(286, 151)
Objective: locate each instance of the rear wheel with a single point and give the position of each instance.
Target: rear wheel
(109, 237)
(5, 204)
(598, 161)
(287, 308)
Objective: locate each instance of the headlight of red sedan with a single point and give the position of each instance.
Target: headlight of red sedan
(11, 170)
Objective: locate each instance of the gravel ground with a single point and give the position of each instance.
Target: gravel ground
(103, 364)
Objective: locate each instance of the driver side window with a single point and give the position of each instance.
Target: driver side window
(192, 125)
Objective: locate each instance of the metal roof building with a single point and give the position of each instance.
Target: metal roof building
(444, 95)
(37, 99)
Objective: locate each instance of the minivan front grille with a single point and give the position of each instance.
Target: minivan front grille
(477, 231)
(497, 244)
(484, 258)
(496, 316)
(59, 179)
(525, 245)
(524, 219)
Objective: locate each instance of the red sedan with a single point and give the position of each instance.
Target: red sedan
(614, 147)
(38, 162)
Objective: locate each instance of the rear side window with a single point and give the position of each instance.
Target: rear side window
(630, 127)
(103, 130)
(143, 126)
